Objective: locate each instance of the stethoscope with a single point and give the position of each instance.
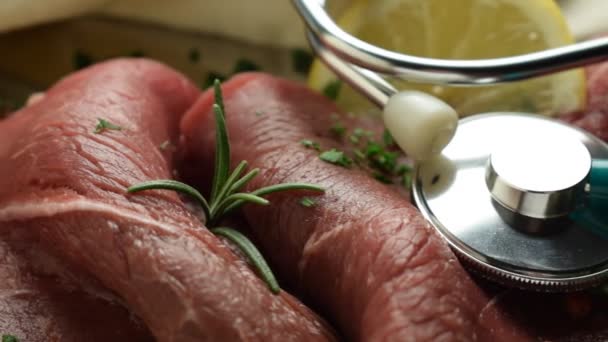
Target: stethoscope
(522, 209)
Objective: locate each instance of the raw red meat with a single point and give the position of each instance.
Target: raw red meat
(594, 117)
(42, 300)
(363, 255)
(66, 185)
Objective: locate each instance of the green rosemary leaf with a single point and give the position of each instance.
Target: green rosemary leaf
(241, 198)
(168, 184)
(246, 178)
(307, 202)
(103, 125)
(336, 157)
(276, 188)
(254, 255)
(225, 191)
(222, 145)
(286, 187)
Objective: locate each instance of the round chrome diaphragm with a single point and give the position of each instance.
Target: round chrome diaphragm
(500, 194)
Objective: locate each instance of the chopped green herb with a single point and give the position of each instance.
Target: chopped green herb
(387, 138)
(9, 338)
(307, 202)
(301, 61)
(243, 65)
(211, 77)
(194, 55)
(382, 177)
(354, 139)
(224, 193)
(385, 161)
(358, 132)
(358, 154)
(403, 169)
(137, 53)
(336, 157)
(103, 125)
(259, 113)
(165, 145)
(373, 149)
(310, 144)
(406, 180)
(332, 89)
(338, 129)
(81, 60)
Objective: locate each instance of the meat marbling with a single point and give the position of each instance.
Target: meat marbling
(67, 186)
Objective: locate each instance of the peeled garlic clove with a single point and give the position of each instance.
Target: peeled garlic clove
(421, 124)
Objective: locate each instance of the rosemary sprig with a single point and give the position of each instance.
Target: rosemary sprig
(224, 193)
(249, 249)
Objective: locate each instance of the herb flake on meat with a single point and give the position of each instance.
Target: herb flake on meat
(103, 125)
(338, 129)
(307, 202)
(336, 157)
(310, 144)
(225, 196)
(9, 338)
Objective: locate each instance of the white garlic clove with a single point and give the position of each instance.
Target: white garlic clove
(421, 124)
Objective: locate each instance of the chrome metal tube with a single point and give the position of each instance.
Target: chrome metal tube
(441, 71)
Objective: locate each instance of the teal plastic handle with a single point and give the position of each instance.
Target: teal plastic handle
(598, 183)
(593, 211)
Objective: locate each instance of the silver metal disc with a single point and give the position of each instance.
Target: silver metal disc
(451, 192)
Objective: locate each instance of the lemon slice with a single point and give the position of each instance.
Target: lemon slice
(465, 29)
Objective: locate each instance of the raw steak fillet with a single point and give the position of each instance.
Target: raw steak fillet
(68, 184)
(41, 300)
(362, 255)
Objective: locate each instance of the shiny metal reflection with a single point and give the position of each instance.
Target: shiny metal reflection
(553, 254)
